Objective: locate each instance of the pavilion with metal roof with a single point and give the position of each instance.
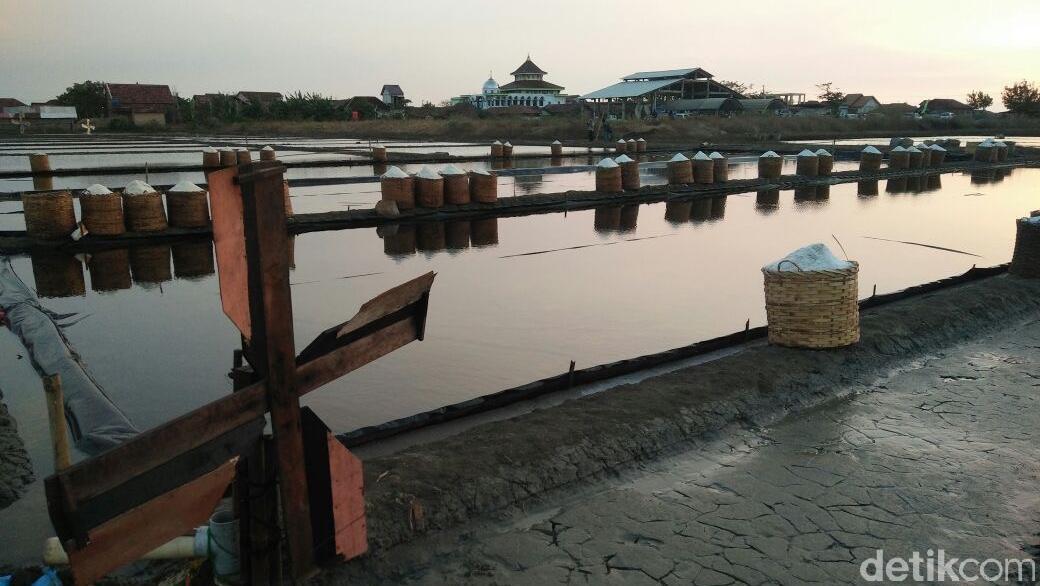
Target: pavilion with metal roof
(644, 92)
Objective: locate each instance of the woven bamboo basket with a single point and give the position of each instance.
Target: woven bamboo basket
(640, 146)
(629, 175)
(49, 215)
(150, 264)
(938, 158)
(144, 212)
(898, 160)
(607, 219)
(188, 209)
(867, 188)
(700, 210)
(109, 270)
(808, 166)
(431, 237)
(43, 182)
(824, 165)
(268, 154)
(1002, 153)
(870, 161)
(456, 189)
(915, 159)
(496, 149)
(507, 150)
(483, 188)
(193, 259)
(429, 193)
(721, 170)
(703, 171)
(484, 232)
(677, 212)
(1025, 262)
(228, 158)
(680, 172)
(456, 234)
(210, 160)
(608, 180)
(243, 157)
(400, 190)
(631, 147)
(767, 200)
(929, 157)
(621, 147)
(984, 153)
(812, 309)
(556, 149)
(770, 167)
(629, 217)
(102, 213)
(39, 163)
(379, 154)
(399, 240)
(57, 274)
(287, 200)
(378, 169)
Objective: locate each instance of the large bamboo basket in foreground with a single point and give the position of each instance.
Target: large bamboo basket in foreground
(812, 309)
(1025, 262)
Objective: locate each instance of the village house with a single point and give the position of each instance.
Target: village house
(393, 96)
(6, 103)
(140, 103)
(943, 107)
(856, 105)
(262, 99)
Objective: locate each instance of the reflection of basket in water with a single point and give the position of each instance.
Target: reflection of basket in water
(484, 232)
(109, 270)
(457, 234)
(193, 259)
(398, 240)
(812, 309)
(57, 274)
(150, 264)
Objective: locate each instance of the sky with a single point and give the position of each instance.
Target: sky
(899, 51)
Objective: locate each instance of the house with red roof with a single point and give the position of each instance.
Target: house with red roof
(141, 103)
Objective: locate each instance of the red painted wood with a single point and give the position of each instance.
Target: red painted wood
(230, 245)
(348, 500)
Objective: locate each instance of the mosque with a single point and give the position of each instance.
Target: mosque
(528, 88)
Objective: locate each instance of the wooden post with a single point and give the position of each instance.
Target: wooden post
(59, 427)
(272, 347)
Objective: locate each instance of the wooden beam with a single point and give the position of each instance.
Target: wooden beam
(58, 424)
(230, 245)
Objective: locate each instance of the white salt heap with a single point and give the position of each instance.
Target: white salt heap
(138, 187)
(428, 173)
(717, 155)
(607, 164)
(267, 148)
(452, 170)
(806, 153)
(815, 257)
(394, 172)
(556, 142)
(378, 146)
(700, 156)
(622, 141)
(623, 159)
(641, 140)
(481, 171)
(822, 153)
(936, 147)
(508, 143)
(872, 150)
(186, 187)
(98, 189)
(769, 155)
(1032, 220)
(678, 158)
(497, 142)
(913, 149)
(209, 150)
(898, 149)
(999, 144)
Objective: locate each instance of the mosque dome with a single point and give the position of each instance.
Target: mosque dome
(490, 86)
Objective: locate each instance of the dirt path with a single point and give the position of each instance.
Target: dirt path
(941, 454)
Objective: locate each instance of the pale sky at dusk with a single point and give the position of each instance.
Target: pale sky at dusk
(435, 49)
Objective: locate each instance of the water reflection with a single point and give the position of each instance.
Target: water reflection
(457, 234)
(701, 210)
(193, 260)
(398, 239)
(607, 219)
(867, 188)
(484, 232)
(57, 274)
(767, 201)
(430, 237)
(150, 264)
(109, 270)
(629, 218)
(895, 185)
(934, 182)
(403, 240)
(677, 212)
(718, 208)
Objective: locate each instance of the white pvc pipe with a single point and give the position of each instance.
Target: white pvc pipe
(190, 546)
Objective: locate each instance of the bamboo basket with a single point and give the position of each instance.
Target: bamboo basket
(399, 240)
(243, 157)
(49, 215)
(268, 154)
(608, 180)
(641, 146)
(379, 154)
(193, 259)
(621, 147)
(680, 172)
(898, 160)
(1002, 153)
(483, 188)
(870, 161)
(109, 270)
(39, 163)
(431, 237)
(103, 213)
(770, 167)
(813, 309)
(984, 153)
(607, 219)
(144, 212)
(43, 182)
(938, 158)
(507, 150)
(150, 264)
(456, 189)
(915, 159)
(556, 149)
(629, 175)
(457, 234)
(57, 274)
(429, 193)
(484, 232)
(703, 171)
(677, 212)
(210, 160)
(400, 190)
(1025, 262)
(824, 164)
(188, 209)
(228, 158)
(808, 166)
(496, 149)
(721, 170)
(631, 147)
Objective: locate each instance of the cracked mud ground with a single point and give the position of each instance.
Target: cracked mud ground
(941, 454)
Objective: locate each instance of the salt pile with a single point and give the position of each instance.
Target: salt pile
(623, 159)
(138, 187)
(678, 158)
(815, 257)
(509, 144)
(641, 140)
(717, 155)
(452, 170)
(428, 173)
(556, 142)
(769, 155)
(806, 153)
(872, 150)
(98, 189)
(822, 153)
(394, 172)
(378, 146)
(999, 144)
(186, 187)
(497, 142)
(1034, 220)
(267, 148)
(481, 171)
(700, 156)
(209, 150)
(898, 149)
(936, 147)
(913, 149)
(607, 164)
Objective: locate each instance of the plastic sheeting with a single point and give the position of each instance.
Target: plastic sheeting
(95, 421)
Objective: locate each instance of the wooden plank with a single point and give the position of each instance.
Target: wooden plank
(142, 529)
(328, 368)
(230, 245)
(348, 500)
(58, 424)
(267, 241)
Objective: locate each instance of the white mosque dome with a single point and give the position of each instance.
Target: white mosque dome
(490, 86)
